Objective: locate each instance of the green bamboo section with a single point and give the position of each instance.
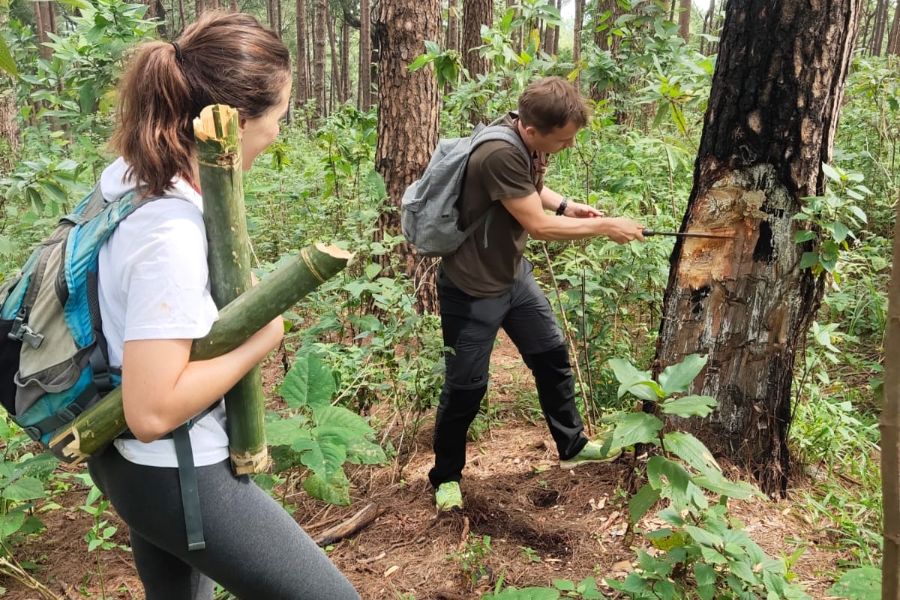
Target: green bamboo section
(225, 217)
(99, 425)
(890, 440)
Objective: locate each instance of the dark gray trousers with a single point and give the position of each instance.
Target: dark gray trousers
(470, 326)
(254, 548)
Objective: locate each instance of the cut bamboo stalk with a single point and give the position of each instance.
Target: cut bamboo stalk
(219, 154)
(890, 440)
(100, 424)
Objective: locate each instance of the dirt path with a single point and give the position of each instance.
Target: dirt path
(543, 523)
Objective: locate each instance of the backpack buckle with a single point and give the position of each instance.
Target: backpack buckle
(20, 331)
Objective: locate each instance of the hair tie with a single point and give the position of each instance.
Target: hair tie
(178, 55)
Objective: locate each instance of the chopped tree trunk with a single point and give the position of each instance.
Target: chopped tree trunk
(890, 435)
(225, 218)
(746, 303)
(96, 427)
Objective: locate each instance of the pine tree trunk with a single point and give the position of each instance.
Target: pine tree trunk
(708, 21)
(301, 95)
(40, 23)
(345, 61)
(890, 434)
(879, 26)
(452, 41)
(225, 218)
(684, 20)
(320, 38)
(745, 302)
(278, 17)
(335, 76)
(408, 111)
(475, 14)
(100, 424)
(576, 38)
(894, 38)
(364, 93)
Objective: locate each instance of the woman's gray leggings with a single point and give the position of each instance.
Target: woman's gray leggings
(254, 548)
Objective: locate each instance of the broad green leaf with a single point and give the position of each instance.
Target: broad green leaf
(25, 488)
(564, 585)
(804, 235)
(691, 450)
(532, 593)
(678, 378)
(636, 428)
(689, 406)
(310, 454)
(863, 583)
(283, 432)
(372, 270)
(703, 537)
(364, 452)
(673, 482)
(705, 577)
(334, 491)
(309, 381)
(334, 453)
(633, 380)
(10, 523)
(340, 422)
(641, 502)
(831, 172)
(809, 259)
(738, 490)
(6, 60)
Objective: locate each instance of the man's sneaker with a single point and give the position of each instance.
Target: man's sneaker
(448, 496)
(593, 452)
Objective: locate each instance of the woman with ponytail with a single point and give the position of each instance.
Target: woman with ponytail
(154, 301)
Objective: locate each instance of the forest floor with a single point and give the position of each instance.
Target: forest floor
(544, 523)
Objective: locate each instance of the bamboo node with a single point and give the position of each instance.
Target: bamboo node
(250, 462)
(309, 264)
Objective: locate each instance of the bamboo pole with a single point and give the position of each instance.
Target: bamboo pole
(890, 441)
(225, 218)
(100, 424)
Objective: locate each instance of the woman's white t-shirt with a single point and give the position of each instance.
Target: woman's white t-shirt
(153, 283)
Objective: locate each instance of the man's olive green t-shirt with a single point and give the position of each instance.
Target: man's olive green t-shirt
(497, 171)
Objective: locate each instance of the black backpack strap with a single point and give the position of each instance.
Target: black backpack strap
(190, 493)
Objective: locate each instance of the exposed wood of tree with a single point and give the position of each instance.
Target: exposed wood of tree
(576, 37)
(408, 111)
(890, 434)
(345, 61)
(301, 94)
(364, 94)
(475, 14)
(894, 38)
(319, 39)
(745, 302)
(684, 20)
(878, 28)
(452, 41)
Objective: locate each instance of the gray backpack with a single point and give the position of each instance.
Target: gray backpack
(429, 214)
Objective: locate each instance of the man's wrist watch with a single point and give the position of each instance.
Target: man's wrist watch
(561, 209)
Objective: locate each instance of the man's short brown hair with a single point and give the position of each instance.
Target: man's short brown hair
(551, 103)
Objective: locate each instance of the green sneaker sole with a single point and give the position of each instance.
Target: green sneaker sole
(571, 463)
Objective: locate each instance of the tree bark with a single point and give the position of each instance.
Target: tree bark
(320, 38)
(708, 22)
(408, 112)
(890, 434)
(769, 125)
(42, 26)
(475, 14)
(452, 41)
(684, 20)
(301, 95)
(576, 37)
(879, 26)
(364, 92)
(335, 75)
(345, 61)
(894, 38)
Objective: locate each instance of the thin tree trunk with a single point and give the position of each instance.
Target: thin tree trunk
(181, 16)
(335, 75)
(894, 38)
(745, 302)
(878, 29)
(452, 42)
(684, 20)
(278, 19)
(345, 61)
(708, 21)
(475, 14)
(44, 26)
(408, 111)
(364, 93)
(301, 95)
(890, 435)
(199, 8)
(233, 6)
(320, 39)
(576, 38)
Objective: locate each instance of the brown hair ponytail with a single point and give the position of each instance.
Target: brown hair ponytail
(226, 58)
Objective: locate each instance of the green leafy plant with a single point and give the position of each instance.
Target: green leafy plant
(562, 588)
(473, 556)
(100, 535)
(322, 436)
(863, 583)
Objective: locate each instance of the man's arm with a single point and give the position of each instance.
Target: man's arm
(551, 200)
(529, 212)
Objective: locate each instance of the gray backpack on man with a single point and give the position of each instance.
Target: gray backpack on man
(429, 214)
